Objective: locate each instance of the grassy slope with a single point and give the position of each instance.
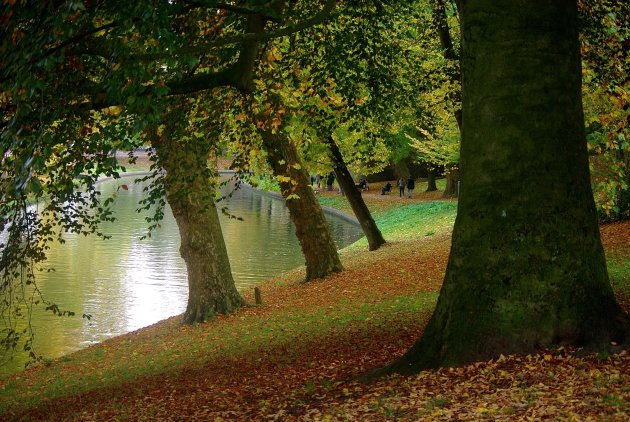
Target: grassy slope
(286, 352)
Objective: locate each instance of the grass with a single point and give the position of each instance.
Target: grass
(413, 221)
(167, 346)
(376, 303)
(378, 204)
(619, 273)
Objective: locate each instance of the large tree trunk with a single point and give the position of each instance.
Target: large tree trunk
(361, 211)
(190, 193)
(431, 185)
(527, 268)
(311, 227)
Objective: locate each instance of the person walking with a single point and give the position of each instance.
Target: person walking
(401, 187)
(411, 184)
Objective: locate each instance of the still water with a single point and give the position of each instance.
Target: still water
(126, 283)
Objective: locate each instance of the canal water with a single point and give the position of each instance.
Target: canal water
(126, 283)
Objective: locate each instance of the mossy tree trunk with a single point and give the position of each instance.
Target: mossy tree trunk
(361, 211)
(190, 193)
(311, 227)
(526, 268)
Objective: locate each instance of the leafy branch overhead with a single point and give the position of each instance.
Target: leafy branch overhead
(80, 81)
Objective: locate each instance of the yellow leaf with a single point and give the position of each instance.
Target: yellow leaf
(338, 101)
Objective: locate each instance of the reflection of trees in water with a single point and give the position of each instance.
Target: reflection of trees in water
(121, 280)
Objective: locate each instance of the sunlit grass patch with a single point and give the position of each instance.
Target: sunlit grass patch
(413, 221)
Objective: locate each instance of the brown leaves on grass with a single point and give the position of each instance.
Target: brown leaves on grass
(300, 373)
(616, 239)
(553, 385)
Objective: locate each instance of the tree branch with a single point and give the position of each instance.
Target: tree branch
(316, 19)
(203, 81)
(76, 38)
(237, 75)
(229, 7)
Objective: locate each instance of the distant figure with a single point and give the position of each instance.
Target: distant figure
(363, 184)
(411, 184)
(330, 180)
(386, 189)
(318, 179)
(401, 186)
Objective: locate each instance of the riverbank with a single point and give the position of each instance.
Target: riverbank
(288, 358)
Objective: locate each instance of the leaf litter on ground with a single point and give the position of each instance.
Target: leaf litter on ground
(291, 358)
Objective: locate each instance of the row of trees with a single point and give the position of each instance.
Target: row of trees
(275, 82)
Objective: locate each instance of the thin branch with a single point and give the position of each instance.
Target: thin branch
(76, 38)
(236, 75)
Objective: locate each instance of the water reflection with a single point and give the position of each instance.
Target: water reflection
(126, 283)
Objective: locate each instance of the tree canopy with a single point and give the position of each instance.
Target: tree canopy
(276, 82)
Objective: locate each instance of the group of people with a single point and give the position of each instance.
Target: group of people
(410, 185)
(316, 179)
(330, 180)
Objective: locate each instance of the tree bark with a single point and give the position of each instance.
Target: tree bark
(527, 268)
(431, 185)
(452, 182)
(361, 211)
(190, 193)
(311, 227)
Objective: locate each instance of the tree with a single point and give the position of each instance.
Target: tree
(346, 182)
(189, 185)
(270, 118)
(311, 227)
(441, 27)
(349, 95)
(80, 81)
(604, 33)
(526, 268)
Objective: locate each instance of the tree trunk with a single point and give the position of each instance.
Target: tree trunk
(452, 182)
(190, 193)
(361, 211)
(527, 269)
(311, 227)
(431, 185)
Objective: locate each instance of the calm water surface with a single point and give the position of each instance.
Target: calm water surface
(126, 283)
